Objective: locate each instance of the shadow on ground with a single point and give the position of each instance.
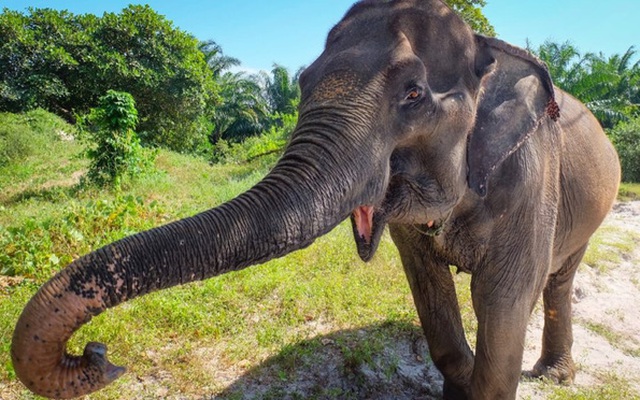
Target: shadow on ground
(386, 361)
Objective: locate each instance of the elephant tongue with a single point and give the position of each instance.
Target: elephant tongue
(363, 217)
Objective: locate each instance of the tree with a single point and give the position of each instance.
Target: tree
(65, 62)
(626, 138)
(163, 69)
(242, 111)
(35, 68)
(564, 62)
(215, 58)
(471, 12)
(282, 90)
(610, 87)
(115, 150)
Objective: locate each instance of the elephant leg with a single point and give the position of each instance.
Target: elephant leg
(555, 361)
(435, 298)
(503, 298)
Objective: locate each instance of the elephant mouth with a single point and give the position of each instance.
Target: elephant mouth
(368, 225)
(367, 230)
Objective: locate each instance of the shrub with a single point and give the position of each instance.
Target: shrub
(271, 142)
(115, 150)
(626, 138)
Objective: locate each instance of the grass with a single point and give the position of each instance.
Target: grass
(611, 387)
(615, 339)
(607, 246)
(629, 191)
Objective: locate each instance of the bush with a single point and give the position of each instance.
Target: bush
(64, 62)
(21, 135)
(626, 138)
(115, 148)
(271, 142)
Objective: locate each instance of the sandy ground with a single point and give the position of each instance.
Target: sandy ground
(610, 298)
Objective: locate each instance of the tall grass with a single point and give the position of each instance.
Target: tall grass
(21, 135)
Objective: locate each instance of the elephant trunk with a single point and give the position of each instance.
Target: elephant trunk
(303, 197)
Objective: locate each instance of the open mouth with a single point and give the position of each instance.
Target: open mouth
(367, 229)
(368, 225)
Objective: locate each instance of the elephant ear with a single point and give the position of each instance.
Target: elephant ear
(517, 94)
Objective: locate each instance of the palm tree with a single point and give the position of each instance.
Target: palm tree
(215, 58)
(610, 87)
(282, 90)
(566, 66)
(242, 111)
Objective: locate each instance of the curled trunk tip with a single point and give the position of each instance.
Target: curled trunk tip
(38, 349)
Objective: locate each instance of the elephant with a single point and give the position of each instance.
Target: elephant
(458, 143)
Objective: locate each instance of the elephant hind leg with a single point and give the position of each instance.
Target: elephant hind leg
(556, 362)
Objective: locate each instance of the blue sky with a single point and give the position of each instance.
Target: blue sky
(292, 32)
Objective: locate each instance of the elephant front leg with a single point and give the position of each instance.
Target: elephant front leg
(503, 298)
(434, 294)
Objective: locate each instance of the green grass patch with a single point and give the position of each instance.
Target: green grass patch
(612, 387)
(607, 247)
(23, 135)
(629, 191)
(615, 339)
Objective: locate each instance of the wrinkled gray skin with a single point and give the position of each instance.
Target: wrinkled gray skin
(452, 140)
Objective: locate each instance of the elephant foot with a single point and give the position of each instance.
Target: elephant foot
(451, 391)
(560, 370)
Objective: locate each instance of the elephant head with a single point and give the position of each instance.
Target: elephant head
(397, 123)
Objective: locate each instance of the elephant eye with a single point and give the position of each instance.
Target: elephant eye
(414, 94)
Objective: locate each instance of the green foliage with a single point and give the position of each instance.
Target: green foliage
(64, 62)
(271, 142)
(164, 70)
(243, 110)
(610, 87)
(626, 138)
(629, 191)
(22, 134)
(282, 90)
(215, 58)
(33, 66)
(250, 105)
(117, 152)
(36, 249)
(471, 12)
